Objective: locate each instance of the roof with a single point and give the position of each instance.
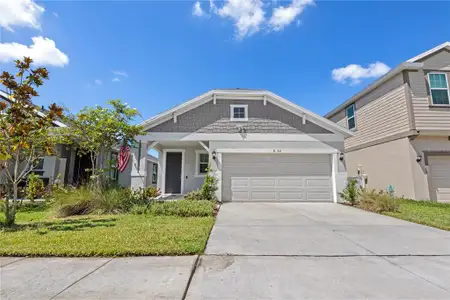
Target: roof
(410, 64)
(40, 113)
(246, 94)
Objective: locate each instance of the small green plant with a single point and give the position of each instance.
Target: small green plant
(151, 193)
(209, 187)
(139, 209)
(194, 195)
(35, 187)
(350, 193)
(183, 208)
(377, 201)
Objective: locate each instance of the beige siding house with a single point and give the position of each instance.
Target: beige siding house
(401, 126)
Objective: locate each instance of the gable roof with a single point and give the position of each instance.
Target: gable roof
(429, 52)
(5, 96)
(245, 94)
(410, 64)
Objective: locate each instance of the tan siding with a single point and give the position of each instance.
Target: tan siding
(383, 117)
(430, 118)
(384, 164)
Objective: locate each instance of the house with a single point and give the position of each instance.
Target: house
(401, 126)
(260, 147)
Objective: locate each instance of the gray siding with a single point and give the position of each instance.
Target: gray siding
(426, 116)
(215, 118)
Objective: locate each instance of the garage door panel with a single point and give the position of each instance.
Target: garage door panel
(276, 177)
(440, 178)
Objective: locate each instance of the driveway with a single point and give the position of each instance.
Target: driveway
(320, 251)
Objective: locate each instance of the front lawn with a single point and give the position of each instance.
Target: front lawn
(39, 233)
(429, 213)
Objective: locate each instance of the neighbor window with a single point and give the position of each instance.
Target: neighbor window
(154, 173)
(438, 88)
(202, 162)
(40, 164)
(239, 112)
(350, 112)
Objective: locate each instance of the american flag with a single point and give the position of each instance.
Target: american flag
(123, 158)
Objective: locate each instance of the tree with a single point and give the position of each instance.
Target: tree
(95, 131)
(25, 133)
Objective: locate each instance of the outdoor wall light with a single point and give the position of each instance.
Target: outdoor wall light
(341, 156)
(214, 155)
(419, 157)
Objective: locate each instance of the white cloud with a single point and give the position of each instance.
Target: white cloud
(116, 79)
(120, 73)
(197, 9)
(43, 51)
(282, 16)
(55, 15)
(98, 82)
(248, 15)
(212, 7)
(21, 13)
(354, 73)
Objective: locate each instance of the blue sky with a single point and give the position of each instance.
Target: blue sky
(166, 52)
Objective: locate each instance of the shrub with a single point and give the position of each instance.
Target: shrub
(209, 187)
(350, 193)
(35, 187)
(112, 200)
(73, 202)
(139, 209)
(183, 208)
(149, 193)
(377, 201)
(194, 195)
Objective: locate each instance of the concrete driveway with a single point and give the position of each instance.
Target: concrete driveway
(320, 251)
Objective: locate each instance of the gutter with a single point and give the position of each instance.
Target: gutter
(397, 70)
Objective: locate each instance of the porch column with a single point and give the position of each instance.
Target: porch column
(139, 165)
(160, 170)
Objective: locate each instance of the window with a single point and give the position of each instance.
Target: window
(350, 112)
(239, 112)
(40, 164)
(154, 173)
(202, 160)
(438, 88)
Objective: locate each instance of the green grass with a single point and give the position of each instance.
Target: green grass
(424, 212)
(38, 233)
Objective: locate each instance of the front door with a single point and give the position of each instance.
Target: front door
(173, 173)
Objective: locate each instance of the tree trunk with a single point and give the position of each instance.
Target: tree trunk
(10, 211)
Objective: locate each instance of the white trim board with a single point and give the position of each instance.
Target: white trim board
(429, 52)
(163, 172)
(279, 151)
(247, 95)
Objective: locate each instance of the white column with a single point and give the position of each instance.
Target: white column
(216, 167)
(139, 166)
(160, 170)
(333, 176)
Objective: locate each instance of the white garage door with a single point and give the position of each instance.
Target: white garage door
(440, 178)
(276, 177)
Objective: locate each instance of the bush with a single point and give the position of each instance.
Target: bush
(377, 201)
(73, 202)
(350, 193)
(209, 187)
(194, 195)
(183, 208)
(35, 187)
(139, 209)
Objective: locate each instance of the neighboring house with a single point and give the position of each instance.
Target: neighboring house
(259, 146)
(402, 128)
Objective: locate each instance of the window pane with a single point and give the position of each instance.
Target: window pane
(239, 112)
(203, 168)
(438, 81)
(439, 96)
(203, 157)
(350, 111)
(351, 123)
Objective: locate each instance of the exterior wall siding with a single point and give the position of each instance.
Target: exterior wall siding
(427, 116)
(385, 164)
(383, 117)
(215, 118)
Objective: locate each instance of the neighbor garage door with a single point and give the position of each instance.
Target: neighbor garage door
(440, 178)
(276, 177)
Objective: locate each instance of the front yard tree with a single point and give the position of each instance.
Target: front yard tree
(25, 133)
(97, 130)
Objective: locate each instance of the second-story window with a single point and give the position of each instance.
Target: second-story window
(438, 88)
(239, 112)
(350, 112)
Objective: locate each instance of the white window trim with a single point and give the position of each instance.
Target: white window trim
(441, 89)
(197, 163)
(354, 116)
(232, 107)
